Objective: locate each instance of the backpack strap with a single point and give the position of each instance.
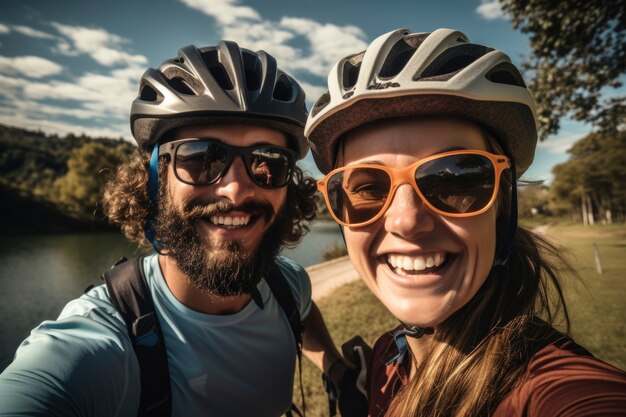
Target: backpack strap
(129, 293)
(281, 290)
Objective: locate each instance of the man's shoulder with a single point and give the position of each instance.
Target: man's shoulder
(94, 303)
(86, 347)
(299, 282)
(289, 264)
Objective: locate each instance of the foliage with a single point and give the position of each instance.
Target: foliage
(79, 190)
(592, 179)
(532, 200)
(577, 50)
(33, 170)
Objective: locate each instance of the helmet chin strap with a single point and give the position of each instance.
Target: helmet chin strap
(399, 336)
(153, 190)
(416, 332)
(507, 246)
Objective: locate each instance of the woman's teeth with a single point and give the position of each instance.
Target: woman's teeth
(416, 264)
(230, 220)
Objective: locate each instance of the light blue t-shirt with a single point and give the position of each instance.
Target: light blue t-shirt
(83, 363)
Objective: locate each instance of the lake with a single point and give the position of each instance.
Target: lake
(41, 273)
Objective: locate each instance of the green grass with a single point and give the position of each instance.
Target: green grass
(351, 310)
(597, 304)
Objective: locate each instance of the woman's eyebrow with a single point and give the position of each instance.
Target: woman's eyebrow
(378, 162)
(452, 148)
(372, 162)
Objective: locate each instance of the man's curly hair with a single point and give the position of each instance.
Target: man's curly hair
(127, 204)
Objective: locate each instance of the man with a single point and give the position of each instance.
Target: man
(215, 190)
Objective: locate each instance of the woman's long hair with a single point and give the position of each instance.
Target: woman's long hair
(126, 202)
(477, 355)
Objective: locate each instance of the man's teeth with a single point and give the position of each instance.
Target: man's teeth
(416, 263)
(230, 220)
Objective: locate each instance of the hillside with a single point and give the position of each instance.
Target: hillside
(50, 183)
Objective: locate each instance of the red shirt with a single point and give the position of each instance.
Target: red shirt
(562, 379)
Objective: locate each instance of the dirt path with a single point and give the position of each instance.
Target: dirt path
(327, 276)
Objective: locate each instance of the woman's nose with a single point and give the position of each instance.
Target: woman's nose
(235, 185)
(407, 215)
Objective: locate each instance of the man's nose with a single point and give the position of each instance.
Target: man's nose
(235, 185)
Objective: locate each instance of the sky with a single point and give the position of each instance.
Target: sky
(74, 66)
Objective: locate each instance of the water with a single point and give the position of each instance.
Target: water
(41, 273)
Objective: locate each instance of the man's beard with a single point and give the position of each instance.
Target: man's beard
(221, 268)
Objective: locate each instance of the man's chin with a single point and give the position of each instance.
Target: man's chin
(215, 238)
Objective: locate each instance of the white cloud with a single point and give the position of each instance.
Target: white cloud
(560, 144)
(62, 128)
(104, 47)
(30, 66)
(33, 33)
(25, 30)
(313, 92)
(327, 43)
(108, 95)
(491, 10)
(225, 12)
(96, 98)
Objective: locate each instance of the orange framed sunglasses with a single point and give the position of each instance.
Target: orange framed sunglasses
(459, 183)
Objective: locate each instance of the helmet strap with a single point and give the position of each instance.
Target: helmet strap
(153, 190)
(399, 337)
(507, 247)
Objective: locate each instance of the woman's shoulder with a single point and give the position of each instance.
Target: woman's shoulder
(563, 378)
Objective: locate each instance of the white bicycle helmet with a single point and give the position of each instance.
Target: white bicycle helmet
(404, 74)
(218, 84)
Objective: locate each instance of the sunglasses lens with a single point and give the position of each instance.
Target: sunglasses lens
(358, 195)
(457, 184)
(270, 167)
(200, 162)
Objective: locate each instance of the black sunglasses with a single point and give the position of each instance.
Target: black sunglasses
(202, 161)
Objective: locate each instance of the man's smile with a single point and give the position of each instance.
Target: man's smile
(230, 221)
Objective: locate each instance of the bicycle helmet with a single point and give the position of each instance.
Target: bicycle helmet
(404, 74)
(218, 84)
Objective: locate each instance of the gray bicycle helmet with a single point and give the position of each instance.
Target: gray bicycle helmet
(404, 74)
(218, 84)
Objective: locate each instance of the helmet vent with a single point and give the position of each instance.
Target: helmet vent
(399, 55)
(217, 70)
(506, 73)
(148, 93)
(182, 82)
(320, 103)
(252, 70)
(351, 69)
(452, 60)
(181, 86)
(283, 90)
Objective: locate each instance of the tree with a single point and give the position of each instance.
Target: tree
(590, 184)
(532, 200)
(80, 190)
(577, 51)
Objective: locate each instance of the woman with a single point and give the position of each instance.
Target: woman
(427, 135)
